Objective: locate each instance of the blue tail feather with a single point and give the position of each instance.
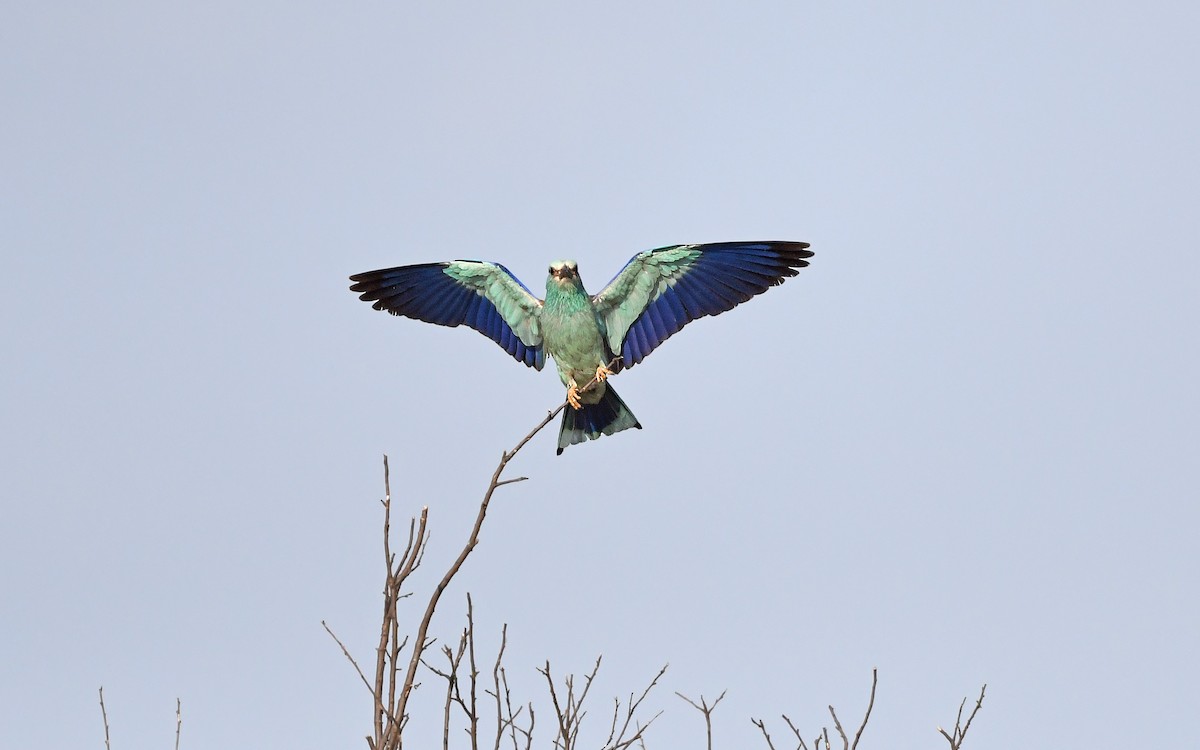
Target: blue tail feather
(607, 416)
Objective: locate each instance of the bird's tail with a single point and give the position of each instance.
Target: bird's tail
(607, 416)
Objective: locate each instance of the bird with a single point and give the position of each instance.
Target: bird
(589, 337)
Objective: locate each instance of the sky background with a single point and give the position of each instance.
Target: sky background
(961, 447)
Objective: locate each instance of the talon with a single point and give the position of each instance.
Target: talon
(573, 397)
(602, 373)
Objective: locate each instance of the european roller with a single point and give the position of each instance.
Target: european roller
(656, 294)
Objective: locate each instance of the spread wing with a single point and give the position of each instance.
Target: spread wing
(484, 296)
(660, 291)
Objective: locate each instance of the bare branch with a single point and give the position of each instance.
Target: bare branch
(847, 744)
(838, 725)
(500, 724)
(392, 689)
(563, 732)
(529, 732)
(451, 677)
(631, 709)
(388, 722)
(960, 729)
(473, 540)
(380, 709)
(705, 709)
(473, 714)
(178, 721)
(799, 739)
(509, 719)
(104, 715)
(345, 651)
(870, 705)
(762, 727)
(570, 712)
(466, 644)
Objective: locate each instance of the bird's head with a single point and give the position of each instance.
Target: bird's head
(565, 273)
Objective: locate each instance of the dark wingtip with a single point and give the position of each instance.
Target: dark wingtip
(558, 452)
(794, 255)
(796, 250)
(368, 280)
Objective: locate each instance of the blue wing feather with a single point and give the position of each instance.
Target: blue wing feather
(670, 297)
(460, 293)
(660, 291)
(687, 297)
(635, 347)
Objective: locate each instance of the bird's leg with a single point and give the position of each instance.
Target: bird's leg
(573, 395)
(602, 373)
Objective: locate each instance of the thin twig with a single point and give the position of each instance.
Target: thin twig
(762, 727)
(799, 738)
(473, 714)
(104, 715)
(510, 720)
(841, 732)
(579, 713)
(563, 731)
(632, 709)
(705, 709)
(978, 705)
(960, 730)
(178, 721)
(870, 705)
(451, 678)
(847, 744)
(381, 709)
(361, 676)
(390, 643)
(500, 725)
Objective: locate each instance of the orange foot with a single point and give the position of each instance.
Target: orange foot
(573, 396)
(602, 373)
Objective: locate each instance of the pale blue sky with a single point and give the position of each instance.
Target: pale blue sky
(961, 447)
